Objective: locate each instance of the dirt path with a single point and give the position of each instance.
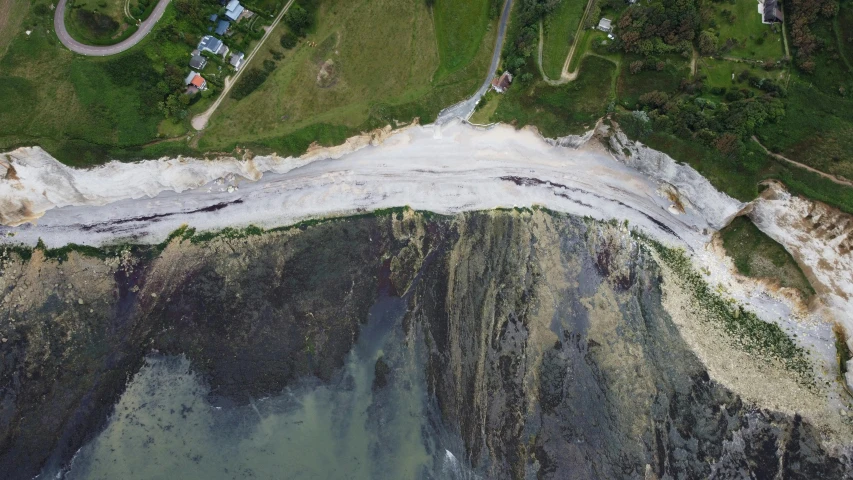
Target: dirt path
(565, 76)
(828, 176)
(200, 120)
(93, 51)
(693, 60)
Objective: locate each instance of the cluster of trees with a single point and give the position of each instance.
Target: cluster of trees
(721, 126)
(521, 47)
(300, 19)
(668, 26)
(801, 15)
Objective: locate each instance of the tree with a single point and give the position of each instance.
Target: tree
(298, 19)
(288, 40)
(707, 43)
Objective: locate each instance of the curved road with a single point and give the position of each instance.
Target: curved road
(98, 51)
(465, 108)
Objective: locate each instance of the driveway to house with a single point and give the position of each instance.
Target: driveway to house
(200, 120)
(103, 51)
(465, 108)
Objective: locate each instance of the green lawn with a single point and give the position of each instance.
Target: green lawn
(566, 109)
(631, 85)
(755, 40)
(759, 256)
(459, 29)
(388, 69)
(560, 27)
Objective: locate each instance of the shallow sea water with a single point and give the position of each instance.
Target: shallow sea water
(164, 427)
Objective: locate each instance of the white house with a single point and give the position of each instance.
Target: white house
(605, 25)
(233, 10)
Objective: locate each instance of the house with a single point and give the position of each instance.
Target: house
(222, 27)
(501, 83)
(237, 60)
(213, 45)
(233, 10)
(195, 80)
(198, 62)
(770, 12)
(605, 25)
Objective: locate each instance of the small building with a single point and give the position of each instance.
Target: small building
(233, 10)
(222, 27)
(213, 45)
(605, 25)
(195, 80)
(770, 12)
(500, 84)
(237, 59)
(198, 62)
(214, 18)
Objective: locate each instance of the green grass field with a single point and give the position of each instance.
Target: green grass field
(759, 256)
(86, 110)
(561, 25)
(459, 29)
(755, 40)
(388, 68)
(567, 109)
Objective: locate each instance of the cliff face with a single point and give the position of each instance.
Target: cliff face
(548, 352)
(551, 352)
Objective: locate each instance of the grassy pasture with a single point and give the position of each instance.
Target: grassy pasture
(388, 66)
(566, 109)
(756, 40)
(560, 26)
(459, 29)
(759, 256)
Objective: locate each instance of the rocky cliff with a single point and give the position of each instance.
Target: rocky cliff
(549, 352)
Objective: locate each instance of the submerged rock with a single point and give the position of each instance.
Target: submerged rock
(545, 345)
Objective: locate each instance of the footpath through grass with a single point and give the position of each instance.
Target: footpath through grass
(561, 27)
(759, 256)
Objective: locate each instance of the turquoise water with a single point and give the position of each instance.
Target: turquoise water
(165, 428)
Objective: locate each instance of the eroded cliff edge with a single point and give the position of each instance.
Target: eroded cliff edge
(555, 346)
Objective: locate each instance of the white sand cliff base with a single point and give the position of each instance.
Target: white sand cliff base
(446, 169)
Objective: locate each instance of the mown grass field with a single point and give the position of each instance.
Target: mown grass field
(459, 29)
(756, 40)
(759, 256)
(566, 109)
(560, 26)
(389, 67)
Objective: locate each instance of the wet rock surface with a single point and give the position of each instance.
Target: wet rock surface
(543, 341)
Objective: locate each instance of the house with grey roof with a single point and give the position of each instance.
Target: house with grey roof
(605, 25)
(233, 10)
(213, 45)
(222, 27)
(198, 62)
(770, 12)
(237, 59)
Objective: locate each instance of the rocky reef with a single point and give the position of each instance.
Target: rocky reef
(544, 341)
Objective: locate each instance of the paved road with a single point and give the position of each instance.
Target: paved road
(95, 51)
(465, 108)
(200, 120)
